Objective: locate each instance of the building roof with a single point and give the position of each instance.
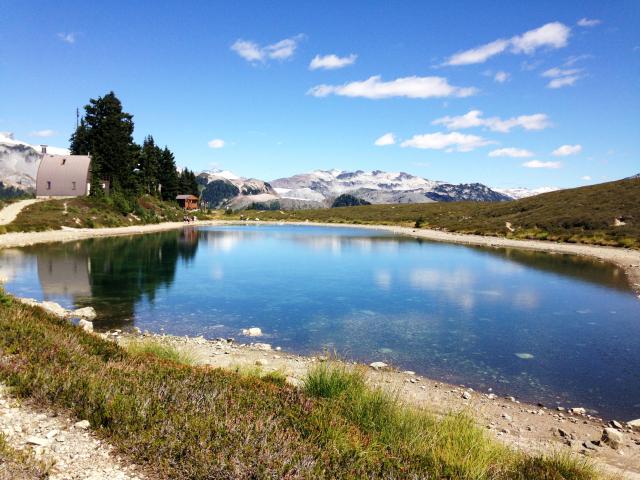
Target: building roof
(186, 197)
(61, 171)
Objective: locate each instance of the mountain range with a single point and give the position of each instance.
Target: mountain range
(317, 189)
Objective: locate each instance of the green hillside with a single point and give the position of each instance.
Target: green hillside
(578, 215)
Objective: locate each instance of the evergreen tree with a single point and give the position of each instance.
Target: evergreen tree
(149, 166)
(106, 132)
(80, 140)
(168, 175)
(187, 182)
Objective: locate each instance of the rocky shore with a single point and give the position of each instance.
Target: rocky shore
(532, 428)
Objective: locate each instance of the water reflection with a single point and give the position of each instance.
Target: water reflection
(506, 319)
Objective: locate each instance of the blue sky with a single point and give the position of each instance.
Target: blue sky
(464, 91)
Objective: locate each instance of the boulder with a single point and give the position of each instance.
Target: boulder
(252, 332)
(634, 424)
(612, 437)
(86, 325)
(578, 410)
(54, 308)
(378, 365)
(87, 312)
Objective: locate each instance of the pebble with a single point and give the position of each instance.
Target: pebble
(466, 395)
(83, 424)
(378, 365)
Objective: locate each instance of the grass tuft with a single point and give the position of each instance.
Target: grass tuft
(159, 349)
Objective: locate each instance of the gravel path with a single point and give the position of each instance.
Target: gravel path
(9, 213)
(74, 452)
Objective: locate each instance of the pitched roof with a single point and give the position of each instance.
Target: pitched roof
(186, 197)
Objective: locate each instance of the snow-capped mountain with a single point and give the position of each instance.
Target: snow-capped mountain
(522, 192)
(222, 188)
(379, 187)
(19, 161)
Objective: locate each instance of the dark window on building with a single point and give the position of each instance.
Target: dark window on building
(48, 185)
(73, 185)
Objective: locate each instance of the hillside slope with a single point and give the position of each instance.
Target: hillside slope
(603, 214)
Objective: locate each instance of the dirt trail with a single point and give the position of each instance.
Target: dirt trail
(9, 213)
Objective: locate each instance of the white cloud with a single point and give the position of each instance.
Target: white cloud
(473, 118)
(588, 22)
(511, 152)
(216, 143)
(386, 139)
(331, 62)
(67, 37)
(43, 133)
(552, 35)
(539, 164)
(501, 77)
(479, 54)
(560, 72)
(563, 81)
(253, 52)
(410, 87)
(453, 141)
(586, 178)
(566, 150)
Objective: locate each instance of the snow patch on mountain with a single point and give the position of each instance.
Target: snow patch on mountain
(521, 192)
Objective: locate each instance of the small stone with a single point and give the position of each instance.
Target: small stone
(87, 312)
(507, 417)
(492, 396)
(512, 399)
(578, 410)
(52, 434)
(278, 349)
(466, 395)
(409, 372)
(634, 424)
(378, 365)
(83, 424)
(262, 346)
(612, 437)
(86, 325)
(42, 442)
(615, 424)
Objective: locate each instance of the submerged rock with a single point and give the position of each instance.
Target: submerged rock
(87, 312)
(252, 332)
(524, 356)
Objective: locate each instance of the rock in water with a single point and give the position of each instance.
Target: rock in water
(54, 308)
(252, 332)
(87, 312)
(86, 325)
(612, 437)
(378, 365)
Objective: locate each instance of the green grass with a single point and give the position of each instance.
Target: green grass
(90, 212)
(155, 348)
(580, 215)
(195, 422)
(20, 464)
(276, 377)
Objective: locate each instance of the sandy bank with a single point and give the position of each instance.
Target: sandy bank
(628, 260)
(531, 428)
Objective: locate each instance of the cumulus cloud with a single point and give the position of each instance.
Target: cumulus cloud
(588, 22)
(511, 152)
(453, 141)
(566, 150)
(474, 118)
(539, 164)
(501, 77)
(386, 139)
(67, 37)
(331, 62)
(43, 133)
(550, 35)
(216, 143)
(253, 52)
(410, 87)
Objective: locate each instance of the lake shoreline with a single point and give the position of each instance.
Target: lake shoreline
(628, 260)
(529, 427)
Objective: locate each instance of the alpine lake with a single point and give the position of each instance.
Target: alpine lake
(555, 329)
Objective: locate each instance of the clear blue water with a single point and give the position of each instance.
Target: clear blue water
(547, 328)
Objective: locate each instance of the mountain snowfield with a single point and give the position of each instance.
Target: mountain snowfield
(517, 193)
(19, 161)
